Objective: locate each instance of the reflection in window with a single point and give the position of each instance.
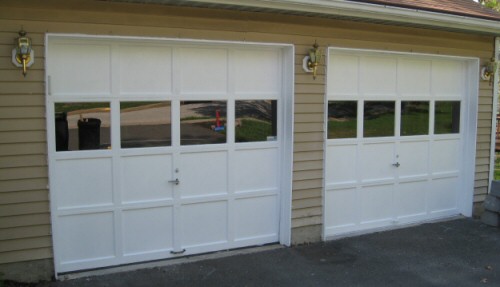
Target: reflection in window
(378, 119)
(256, 121)
(82, 126)
(145, 124)
(447, 117)
(342, 119)
(414, 118)
(203, 122)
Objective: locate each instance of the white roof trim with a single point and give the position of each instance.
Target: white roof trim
(370, 11)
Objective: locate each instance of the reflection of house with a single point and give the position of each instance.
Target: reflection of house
(288, 184)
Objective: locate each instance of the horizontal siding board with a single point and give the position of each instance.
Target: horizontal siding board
(307, 193)
(306, 221)
(24, 220)
(23, 137)
(16, 197)
(22, 149)
(22, 125)
(24, 208)
(308, 174)
(23, 172)
(307, 212)
(25, 232)
(25, 255)
(22, 112)
(308, 137)
(22, 100)
(308, 146)
(307, 184)
(23, 161)
(308, 127)
(308, 165)
(25, 243)
(308, 156)
(307, 203)
(308, 108)
(24, 184)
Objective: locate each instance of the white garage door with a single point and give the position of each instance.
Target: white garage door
(161, 149)
(395, 140)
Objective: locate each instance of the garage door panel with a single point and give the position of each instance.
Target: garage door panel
(341, 164)
(145, 178)
(340, 208)
(443, 195)
(378, 76)
(91, 62)
(262, 67)
(343, 76)
(145, 71)
(375, 203)
(413, 159)
(252, 222)
(375, 161)
(411, 199)
(256, 170)
(414, 78)
(147, 230)
(86, 237)
(203, 71)
(204, 224)
(86, 182)
(202, 174)
(445, 156)
(448, 78)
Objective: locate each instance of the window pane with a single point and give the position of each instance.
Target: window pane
(145, 124)
(82, 126)
(342, 119)
(203, 122)
(414, 118)
(378, 119)
(256, 121)
(447, 117)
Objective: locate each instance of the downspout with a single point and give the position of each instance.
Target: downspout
(494, 115)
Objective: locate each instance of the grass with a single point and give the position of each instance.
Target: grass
(251, 131)
(497, 166)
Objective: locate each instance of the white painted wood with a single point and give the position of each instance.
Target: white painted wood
(434, 179)
(229, 195)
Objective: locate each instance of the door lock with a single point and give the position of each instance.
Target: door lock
(176, 181)
(397, 164)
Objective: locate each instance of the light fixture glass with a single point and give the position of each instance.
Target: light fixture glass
(23, 54)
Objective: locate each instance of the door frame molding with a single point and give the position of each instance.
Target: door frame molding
(287, 98)
(466, 194)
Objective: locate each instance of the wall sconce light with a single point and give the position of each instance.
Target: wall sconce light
(310, 62)
(23, 55)
(488, 70)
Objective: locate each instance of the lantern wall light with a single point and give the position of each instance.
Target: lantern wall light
(310, 62)
(23, 54)
(488, 70)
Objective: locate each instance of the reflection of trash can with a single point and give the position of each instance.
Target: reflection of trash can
(62, 135)
(89, 133)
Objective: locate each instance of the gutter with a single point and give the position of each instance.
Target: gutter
(365, 11)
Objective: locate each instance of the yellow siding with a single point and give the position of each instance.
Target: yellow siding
(24, 211)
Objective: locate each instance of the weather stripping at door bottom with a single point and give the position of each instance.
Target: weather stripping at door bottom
(177, 252)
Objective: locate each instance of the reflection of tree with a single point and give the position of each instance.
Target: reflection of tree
(261, 110)
(342, 110)
(376, 109)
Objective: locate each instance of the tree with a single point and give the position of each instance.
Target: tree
(493, 4)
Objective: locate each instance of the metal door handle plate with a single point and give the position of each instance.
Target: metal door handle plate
(397, 164)
(176, 181)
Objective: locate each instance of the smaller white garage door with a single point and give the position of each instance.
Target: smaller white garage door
(396, 149)
(160, 149)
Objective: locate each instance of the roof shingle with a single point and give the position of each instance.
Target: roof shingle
(456, 7)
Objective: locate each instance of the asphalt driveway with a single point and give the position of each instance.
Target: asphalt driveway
(460, 252)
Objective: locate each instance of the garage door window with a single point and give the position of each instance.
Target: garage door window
(342, 119)
(414, 118)
(447, 117)
(82, 126)
(203, 122)
(378, 120)
(145, 124)
(256, 121)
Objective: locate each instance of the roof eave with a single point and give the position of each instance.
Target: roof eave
(369, 11)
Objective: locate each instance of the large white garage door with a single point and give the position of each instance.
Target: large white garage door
(161, 149)
(395, 141)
